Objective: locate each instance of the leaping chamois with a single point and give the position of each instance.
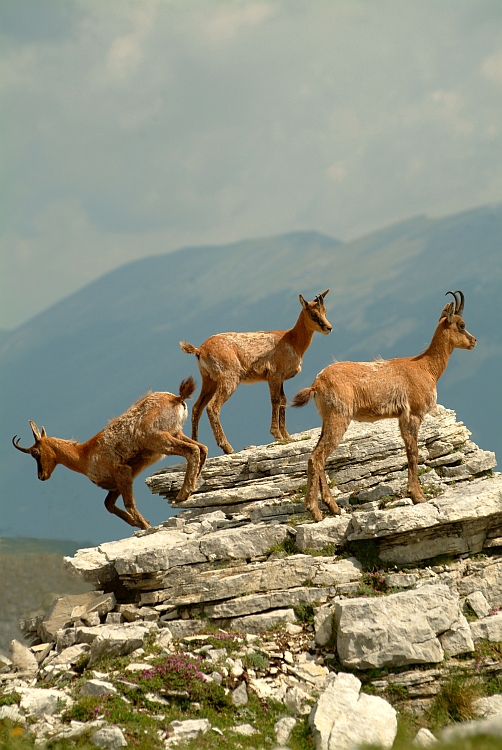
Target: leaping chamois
(227, 359)
(148, 430)
(404, 389)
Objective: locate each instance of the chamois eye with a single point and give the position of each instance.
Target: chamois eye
(461, 326)
(35, 453)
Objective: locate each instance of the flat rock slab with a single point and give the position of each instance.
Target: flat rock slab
(169, 548)
(42, 701)
(261, 623)
(395, 630)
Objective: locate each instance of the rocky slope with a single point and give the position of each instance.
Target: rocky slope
(277, 608)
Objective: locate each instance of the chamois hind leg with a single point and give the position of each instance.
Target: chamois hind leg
(326, 495)
(409, 424)
(333, 429)
(202, 448)
(206, 393)
(169, 445)
(224, 390)
(276, 394)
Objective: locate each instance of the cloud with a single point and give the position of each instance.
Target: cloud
(126, 52)
(227, 21)
(491, 68)
(140, 127)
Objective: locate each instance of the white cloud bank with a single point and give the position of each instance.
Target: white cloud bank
(136, 127)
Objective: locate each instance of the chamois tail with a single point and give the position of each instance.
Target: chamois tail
(302, 397)
(187, 387)
(188, 348)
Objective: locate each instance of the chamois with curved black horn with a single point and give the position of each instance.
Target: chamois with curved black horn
(403, 389)
(148, 430)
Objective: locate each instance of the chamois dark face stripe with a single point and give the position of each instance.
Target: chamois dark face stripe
(316, 318)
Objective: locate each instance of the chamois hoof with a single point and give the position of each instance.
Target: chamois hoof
(227, 449)
(316, 514)
(183, 494)
(421, 499)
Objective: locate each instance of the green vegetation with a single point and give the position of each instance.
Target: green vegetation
(432, 490)
(284, 548)
(304, 613)
(385, 500)
(372, 584)
(455, 700)
(367, 552)
(256, 660)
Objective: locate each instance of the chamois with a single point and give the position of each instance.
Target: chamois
(148, 430)
(403, 389)
(227, 359)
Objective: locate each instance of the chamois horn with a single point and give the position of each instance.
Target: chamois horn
(459, 303)
(15, 443)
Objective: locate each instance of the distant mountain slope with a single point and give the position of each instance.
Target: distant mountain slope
(90, 356)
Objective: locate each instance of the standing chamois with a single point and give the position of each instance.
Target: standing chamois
(227, 359)
(148, 430)
(403, 389)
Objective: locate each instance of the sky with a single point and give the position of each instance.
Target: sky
(133, 128)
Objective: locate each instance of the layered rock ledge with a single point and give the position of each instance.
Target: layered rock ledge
(361, 590)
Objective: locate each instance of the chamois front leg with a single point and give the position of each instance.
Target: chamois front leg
(124, 478)
(409, 425)
(110, 506)
(276, 391)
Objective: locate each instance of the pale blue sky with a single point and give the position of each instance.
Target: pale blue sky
(135, 127)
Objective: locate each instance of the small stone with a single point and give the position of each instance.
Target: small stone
(237, 670)
(23, 660)
(296, 700)
(240, 695)
(323, 625)
(293, 629)
(183, 731)
(283, 729)
(489, 706)
(110, 738)
(97, 687)
(245, 729)
(478, 604)
(424, 738)
(114, 618)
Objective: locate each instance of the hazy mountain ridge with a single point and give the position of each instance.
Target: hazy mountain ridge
(89, 356)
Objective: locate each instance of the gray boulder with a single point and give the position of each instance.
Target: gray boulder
(344, 718)
(489, 628)
(396, 629)
(110, 738)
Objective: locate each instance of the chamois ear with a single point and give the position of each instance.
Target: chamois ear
(44, 434)
(35, 430)
(324, 293)
(303, 302)
(448, 312)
